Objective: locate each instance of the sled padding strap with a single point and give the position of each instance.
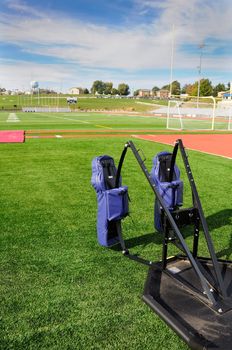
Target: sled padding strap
(169, 187)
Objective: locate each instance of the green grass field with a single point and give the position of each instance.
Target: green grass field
(15, 102)
(59, 289)
(98, 121)
(112, 123)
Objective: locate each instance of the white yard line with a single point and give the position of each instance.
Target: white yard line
(75, 120)
(103, 126)
(13, 118)
(145, 103)
(83, 121)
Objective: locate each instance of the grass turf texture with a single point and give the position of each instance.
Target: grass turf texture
(79, 121)
(60, 289)
(100, 122)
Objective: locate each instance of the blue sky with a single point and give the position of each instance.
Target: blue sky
(72, 43)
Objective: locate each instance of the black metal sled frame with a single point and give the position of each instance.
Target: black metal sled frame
(192, 294)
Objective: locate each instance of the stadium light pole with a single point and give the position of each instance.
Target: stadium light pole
(201, 46)
(172, 58)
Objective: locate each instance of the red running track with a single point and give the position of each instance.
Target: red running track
(215, 144)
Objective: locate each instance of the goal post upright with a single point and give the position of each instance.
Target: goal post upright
(213, 115)
(230, 121)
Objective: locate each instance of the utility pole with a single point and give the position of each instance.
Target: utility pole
(201, 46)
(172, 58)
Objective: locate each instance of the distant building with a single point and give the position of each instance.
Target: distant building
(226, 99)
(227, 95)
(75, 91)
(221, 93)
(163, 93)
(144, 93)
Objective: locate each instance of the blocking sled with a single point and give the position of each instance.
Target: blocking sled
(192, 294)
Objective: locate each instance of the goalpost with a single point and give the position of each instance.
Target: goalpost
(191, 113)
(223, 119)
(46, 103)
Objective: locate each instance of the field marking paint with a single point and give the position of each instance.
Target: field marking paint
(146, 103)
(102, 126)
(12, 118)
(75, 120)
(154, 116)
(82, 121)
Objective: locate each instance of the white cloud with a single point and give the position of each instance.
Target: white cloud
(146, 46)
(20, 73)
(22, 8)
(195, 20)
(86, 44)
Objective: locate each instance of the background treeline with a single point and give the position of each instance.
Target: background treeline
(206, 88)
(106, 88)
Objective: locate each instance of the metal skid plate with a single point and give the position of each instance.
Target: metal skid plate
(175, 294)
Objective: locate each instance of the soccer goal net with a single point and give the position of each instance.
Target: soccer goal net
(191, 114)
(223, 116)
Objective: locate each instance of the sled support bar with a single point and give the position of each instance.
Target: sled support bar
(203, 220)
(205, 283)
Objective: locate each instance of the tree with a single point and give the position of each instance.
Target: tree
(114, 91)
(194, 89)
(166, 87)
(218, 88)
(155, 89)
(175, 87)
(123, 89)
(189, 89)
(108, 88)
(186, 89)
(206, 88)
(85, 91)
(98, 86)
(136, 92)
(45, 92)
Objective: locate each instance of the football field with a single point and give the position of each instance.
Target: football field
(59, 288)
(81, 120)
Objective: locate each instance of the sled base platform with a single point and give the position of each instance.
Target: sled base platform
(176, 295)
